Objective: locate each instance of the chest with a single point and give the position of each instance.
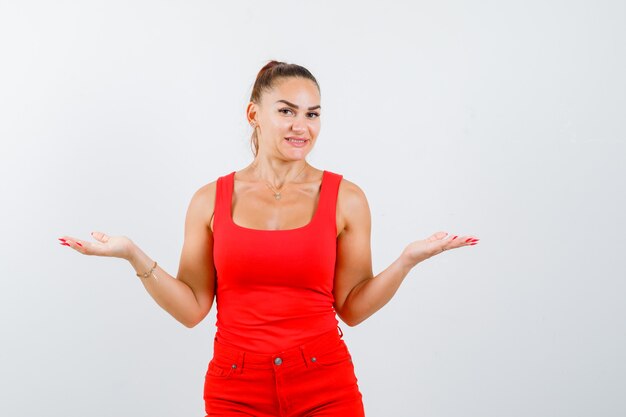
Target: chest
(257, 208)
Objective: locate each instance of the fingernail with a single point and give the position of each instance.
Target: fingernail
(454, 237)
(472, 244)
(61, 239)
(63, 243)
(78, 243)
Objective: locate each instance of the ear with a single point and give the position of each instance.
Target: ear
(251, 113)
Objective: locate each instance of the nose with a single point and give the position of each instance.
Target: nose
(299, 125)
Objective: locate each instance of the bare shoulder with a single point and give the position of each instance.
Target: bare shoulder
(352, 206)
(350, 192)
(203, 202)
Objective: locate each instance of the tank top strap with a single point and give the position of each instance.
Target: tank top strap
(328, 204)
(223, 190)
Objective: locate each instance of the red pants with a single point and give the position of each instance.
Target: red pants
(314, 379)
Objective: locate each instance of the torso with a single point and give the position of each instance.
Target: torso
(254, 205)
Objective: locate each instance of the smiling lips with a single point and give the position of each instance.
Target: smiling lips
(298, 142)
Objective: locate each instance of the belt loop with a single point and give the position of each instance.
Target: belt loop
(304, 355)
(340, 331)
(241, 361)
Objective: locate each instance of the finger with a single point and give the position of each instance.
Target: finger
(437, 236)
(72, 243)
(451, 241)
(466, 241)
(101, 237)
(470, 240)
(446, 243)
(67, 240)
(458, 241)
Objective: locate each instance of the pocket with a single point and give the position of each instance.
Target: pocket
(338, 354)
(219, 369)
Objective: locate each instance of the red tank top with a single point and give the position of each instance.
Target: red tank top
(274, 287)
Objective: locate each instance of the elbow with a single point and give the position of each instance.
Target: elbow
(188, 320)
(350, 320)
(353, 318)
(354, 323)
(193, 321)
(190, 324)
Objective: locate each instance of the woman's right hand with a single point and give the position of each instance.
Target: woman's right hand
(105, 245)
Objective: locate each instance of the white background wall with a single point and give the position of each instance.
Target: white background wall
(495, 118)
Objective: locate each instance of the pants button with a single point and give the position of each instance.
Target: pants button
(313, 359)
(278, 361)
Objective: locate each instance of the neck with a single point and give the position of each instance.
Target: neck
(277, 174)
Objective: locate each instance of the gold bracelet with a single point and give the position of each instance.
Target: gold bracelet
(151, 272)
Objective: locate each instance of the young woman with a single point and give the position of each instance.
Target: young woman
(284, 248)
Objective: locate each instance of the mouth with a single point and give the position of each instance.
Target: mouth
(297, 141)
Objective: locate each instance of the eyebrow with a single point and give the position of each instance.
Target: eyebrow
(295, 106)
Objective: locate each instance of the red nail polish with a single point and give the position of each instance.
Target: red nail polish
(454, 237)
(63, 243)
(61, 239)
(472, 244)
(78, 243)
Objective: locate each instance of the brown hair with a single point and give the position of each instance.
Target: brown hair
(266, 80)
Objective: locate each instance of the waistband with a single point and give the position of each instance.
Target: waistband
(241, 358)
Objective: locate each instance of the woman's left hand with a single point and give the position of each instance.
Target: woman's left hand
(420, 250)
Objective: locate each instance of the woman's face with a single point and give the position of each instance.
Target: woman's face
(288, 112)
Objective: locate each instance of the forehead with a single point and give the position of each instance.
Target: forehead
(294, 89)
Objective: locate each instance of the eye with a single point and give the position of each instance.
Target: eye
(311, 114)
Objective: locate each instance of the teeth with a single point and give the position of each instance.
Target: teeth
(296, 140)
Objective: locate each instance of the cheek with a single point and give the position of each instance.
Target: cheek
(281, 124)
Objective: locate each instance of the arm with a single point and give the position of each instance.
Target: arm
(189, 296)
(358, 293)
